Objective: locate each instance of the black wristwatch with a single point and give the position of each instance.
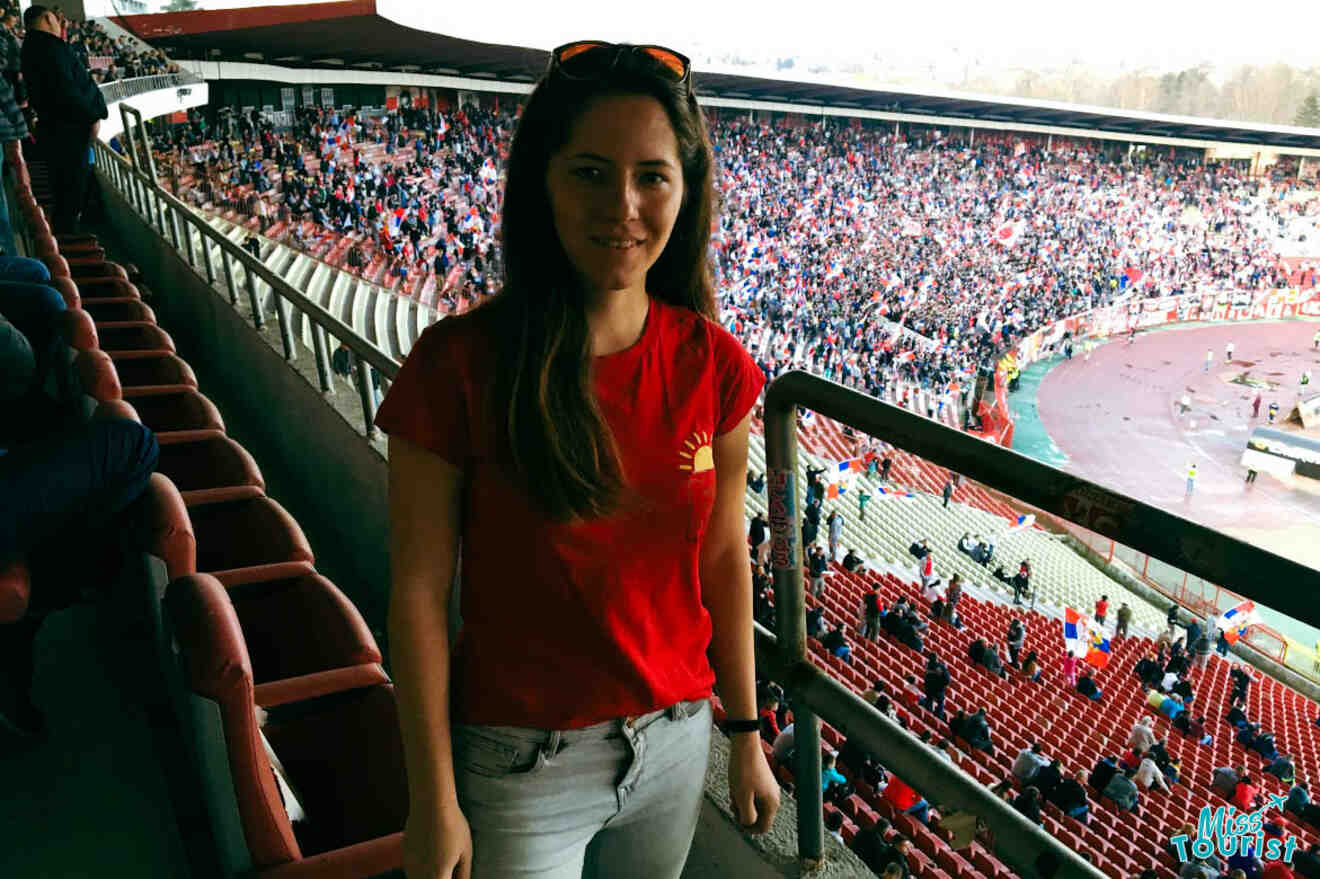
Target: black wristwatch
(742, 726)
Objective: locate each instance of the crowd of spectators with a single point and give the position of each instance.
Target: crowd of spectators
(109, 59)
(867, 256)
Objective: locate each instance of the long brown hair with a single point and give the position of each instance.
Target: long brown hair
(556, 439)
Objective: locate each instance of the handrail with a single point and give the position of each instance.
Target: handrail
(173, 220)
(1265, 576)
(122, 89)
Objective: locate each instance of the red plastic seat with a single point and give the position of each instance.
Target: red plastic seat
(342, 756)
(157, 370)
(136, 336)
(114, 311)
(245, 541)
(176, 416)
(211, 470)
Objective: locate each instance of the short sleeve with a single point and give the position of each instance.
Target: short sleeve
(739, 380)
(428, 403)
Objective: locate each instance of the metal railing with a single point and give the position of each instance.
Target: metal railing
(174, 221)
(122, 89)
(814, 694)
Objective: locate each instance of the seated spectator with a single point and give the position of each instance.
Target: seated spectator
(1123, 792)
(835, 642)
(834, 825)
(873, 695)
(1264, 746)
(1298, 797)
(1086, 686)
(1246, 862)
(1225, 779)
(828, 774)
(1246, 796)
(1193, 728)
(920, 549)
(1237, 716)
(976, 651)
(965, 543)
(816, 625)
(1282, 768)
(1031, 669)
(1047, 777)
(1131, 760)
(1104, 769)
(769, 724)
(784, 745)
(1029, 804)
(1148, 775)
(990, 659)
(1246, 736)
(1143, 734)
(1147, 670)
(905, 800)
(1171, 707)
(869, 843)
(1028, 761)
(1070, 796)
(977, 732)
(852, 561)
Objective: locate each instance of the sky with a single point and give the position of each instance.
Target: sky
(1161, 34)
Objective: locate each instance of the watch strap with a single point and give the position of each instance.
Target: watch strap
(742, 726)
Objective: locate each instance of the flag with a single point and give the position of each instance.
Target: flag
(1022, 523)
(1083, 638)
(834, 489)
(1235, 621)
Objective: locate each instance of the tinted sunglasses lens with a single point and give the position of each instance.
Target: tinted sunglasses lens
(671, 61)
(581, 58)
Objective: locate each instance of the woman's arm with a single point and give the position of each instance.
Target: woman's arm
(424, 508)
(726, 590)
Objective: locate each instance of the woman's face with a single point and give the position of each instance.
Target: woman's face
(615, 190)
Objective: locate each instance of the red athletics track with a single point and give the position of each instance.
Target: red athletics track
(1116, 418)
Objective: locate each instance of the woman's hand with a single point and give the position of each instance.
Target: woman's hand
(753, 789)
(437, 844)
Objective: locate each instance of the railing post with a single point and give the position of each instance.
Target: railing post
(321, 351)
(791, 624)
(250, 281)
(286, 324)
(363, 372)
(206, 252)
(229, 276)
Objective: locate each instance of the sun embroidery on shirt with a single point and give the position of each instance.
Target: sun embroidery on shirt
(697, 453)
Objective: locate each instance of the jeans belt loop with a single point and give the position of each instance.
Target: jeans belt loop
(552, 744)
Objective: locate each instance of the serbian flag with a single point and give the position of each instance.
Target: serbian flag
(1022, 523)
(834, 489)
(1235, 621)
(853, 465)
(1083, 638)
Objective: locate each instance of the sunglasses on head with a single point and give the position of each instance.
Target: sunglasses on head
(592, 59)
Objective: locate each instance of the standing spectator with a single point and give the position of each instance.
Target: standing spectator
(1124, 620)
(885, 466)
(1015, 638)
(948, 491)
(863, 498)
(816, 566)
(835, 522)
(936, 684)
(1022, 581)
(1102, 609)
(1070, 669)
(756, 534)
(69, 109)
(927, 569)
(952, 596)
(872, 611)
(1191, 478)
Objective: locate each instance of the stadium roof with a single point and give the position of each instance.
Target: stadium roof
(356, 34)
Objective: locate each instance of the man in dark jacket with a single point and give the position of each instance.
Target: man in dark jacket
(69, 109)
(936, 685)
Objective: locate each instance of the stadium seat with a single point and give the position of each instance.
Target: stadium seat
(341, 754)
(119, 310)
(211, 469)
(156, 370)
(176, 416)
(137, 336)
(245, 541)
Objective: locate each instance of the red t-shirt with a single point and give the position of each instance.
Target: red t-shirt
(1101, 608)
(899, 795)
(564, 626)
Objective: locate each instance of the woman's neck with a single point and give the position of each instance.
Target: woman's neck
(617, 320)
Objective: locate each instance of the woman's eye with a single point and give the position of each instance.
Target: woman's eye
(587, 173)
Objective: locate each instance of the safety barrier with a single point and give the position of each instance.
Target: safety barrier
(1209, 555)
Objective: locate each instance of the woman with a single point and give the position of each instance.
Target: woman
(1031, 669)
(584, 433)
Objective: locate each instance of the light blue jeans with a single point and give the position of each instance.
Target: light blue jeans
(617, 799)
